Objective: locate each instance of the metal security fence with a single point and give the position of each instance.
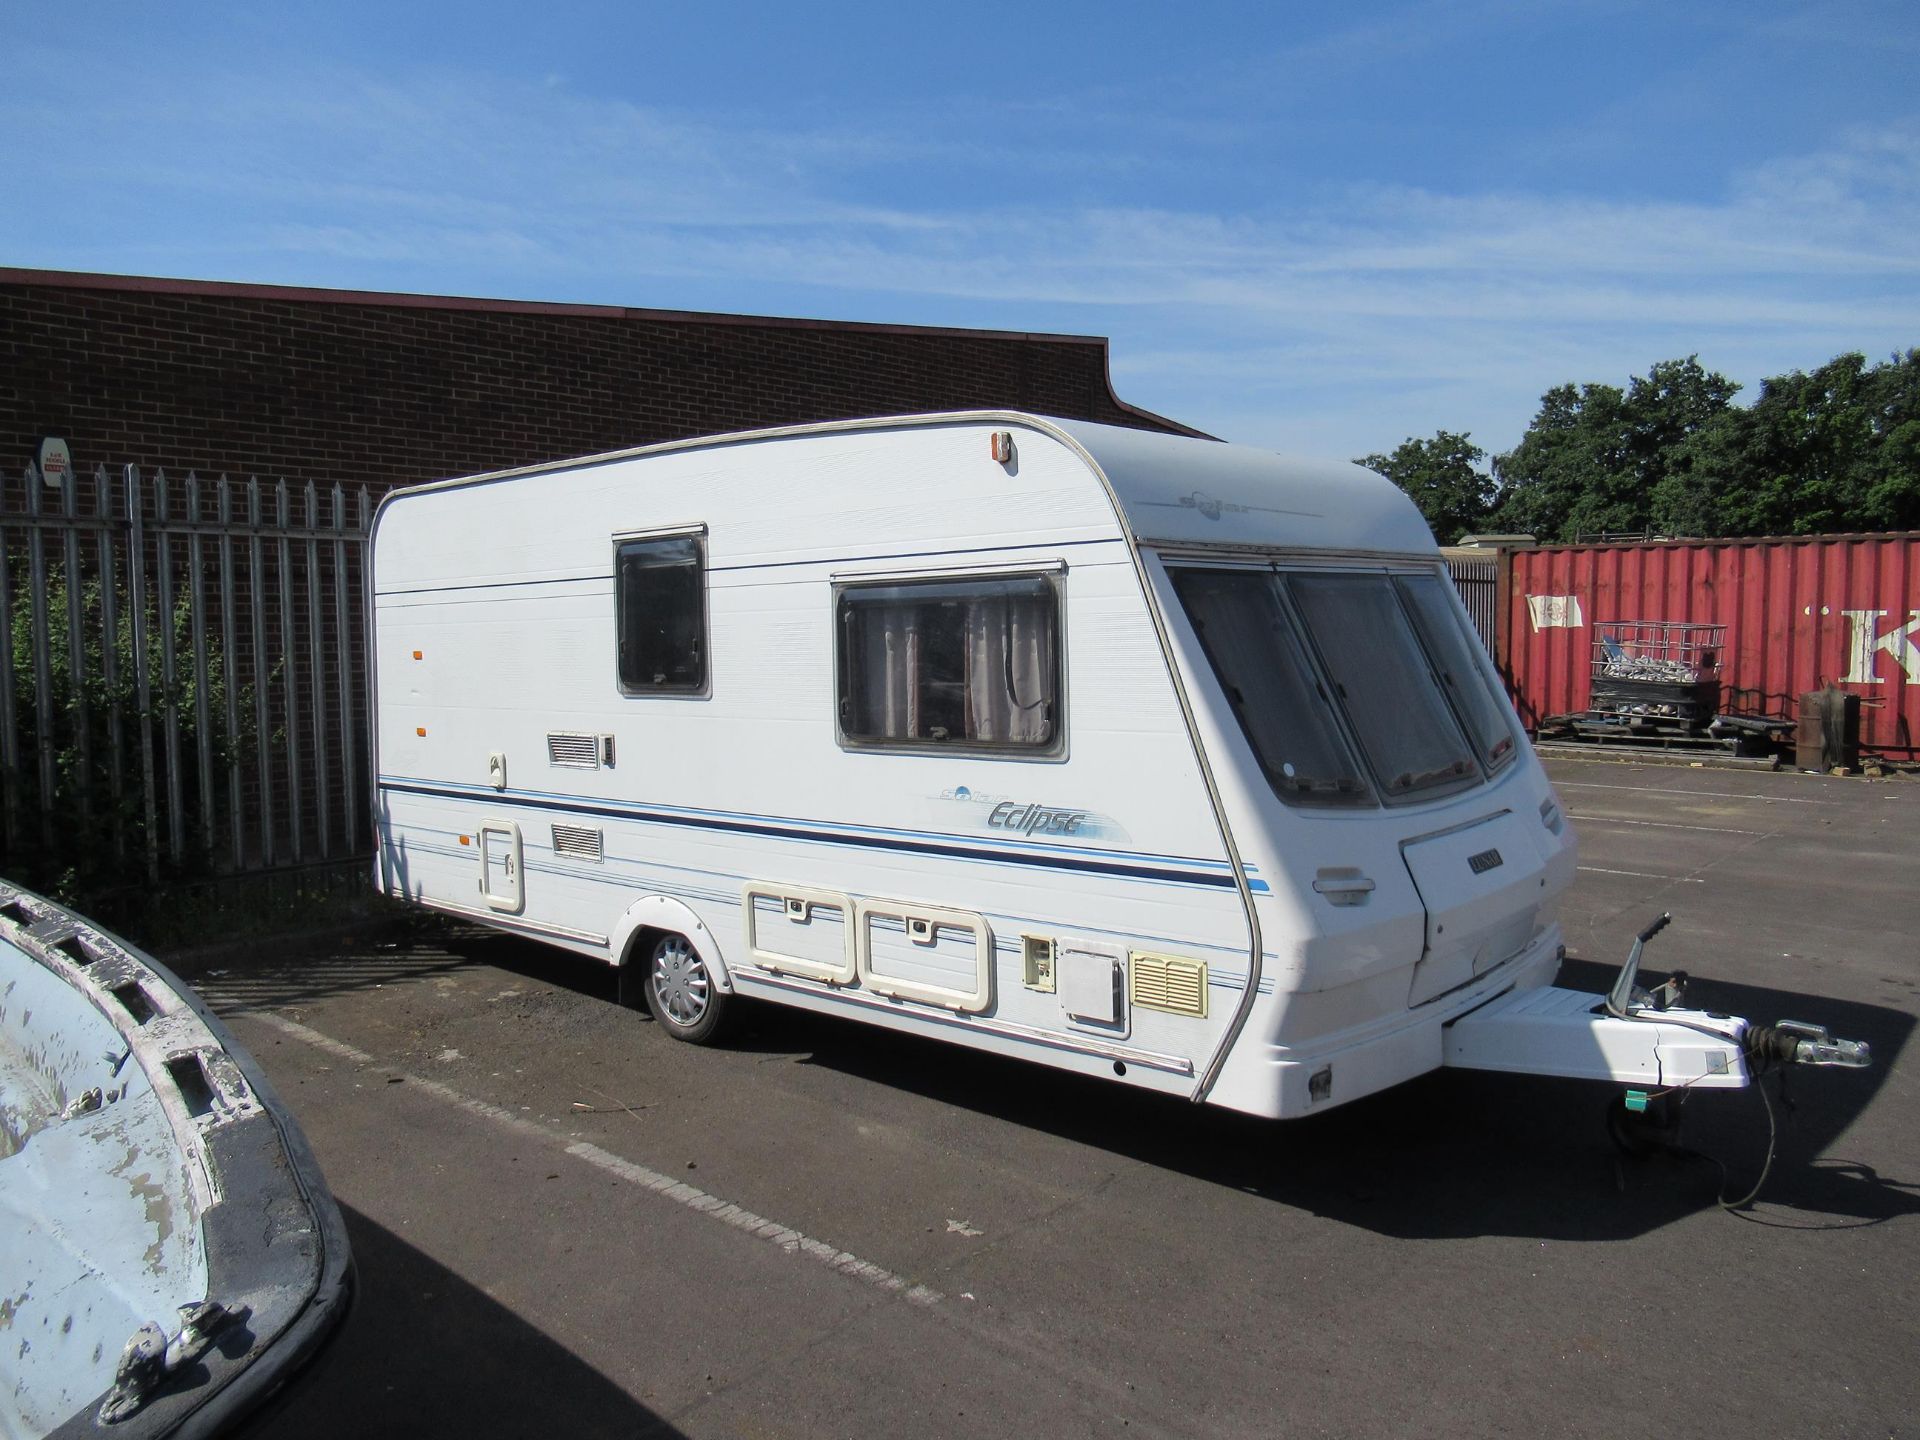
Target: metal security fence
(182, 677)
(1478, 581)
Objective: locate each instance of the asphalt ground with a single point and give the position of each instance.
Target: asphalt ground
(566, 1224)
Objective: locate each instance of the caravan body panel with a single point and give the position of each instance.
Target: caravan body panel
(968, 891)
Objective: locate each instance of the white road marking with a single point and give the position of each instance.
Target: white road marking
(1665, 825)
(1705, 794)
(665, 1186)
(1641, 875)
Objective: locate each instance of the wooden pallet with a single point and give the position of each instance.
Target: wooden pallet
(1590, 731)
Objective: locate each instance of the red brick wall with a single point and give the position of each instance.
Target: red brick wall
(389, 389)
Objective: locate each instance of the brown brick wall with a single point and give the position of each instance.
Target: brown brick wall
(389, 390)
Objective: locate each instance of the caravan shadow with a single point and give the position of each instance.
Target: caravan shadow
(1452, 1154)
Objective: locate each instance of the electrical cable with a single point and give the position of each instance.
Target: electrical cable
(1761, 1052)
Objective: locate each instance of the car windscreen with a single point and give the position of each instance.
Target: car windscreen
(1268, 678)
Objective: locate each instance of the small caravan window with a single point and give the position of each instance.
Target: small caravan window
(968, 663)
(661, 612)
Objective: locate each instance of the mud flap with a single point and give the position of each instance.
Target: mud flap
(1570, 1034)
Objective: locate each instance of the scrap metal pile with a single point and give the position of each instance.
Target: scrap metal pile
(1657, 683)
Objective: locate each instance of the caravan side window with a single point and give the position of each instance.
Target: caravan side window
(660, 603)
(950, 664)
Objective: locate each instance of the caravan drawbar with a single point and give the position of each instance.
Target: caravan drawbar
(1129, 753)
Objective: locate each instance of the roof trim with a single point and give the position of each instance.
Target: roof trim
(313, 295)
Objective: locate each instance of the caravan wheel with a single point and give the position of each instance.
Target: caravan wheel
(680, 992)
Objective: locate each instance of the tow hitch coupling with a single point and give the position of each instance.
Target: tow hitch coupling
(1635, 1036)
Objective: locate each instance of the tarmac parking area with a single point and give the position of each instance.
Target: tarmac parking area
(566, 1224)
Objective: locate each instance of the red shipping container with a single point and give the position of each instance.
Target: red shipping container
(1800, 614)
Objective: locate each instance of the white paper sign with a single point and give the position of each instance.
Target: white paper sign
(1555, 612)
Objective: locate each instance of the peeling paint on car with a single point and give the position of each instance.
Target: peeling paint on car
(133, 1207)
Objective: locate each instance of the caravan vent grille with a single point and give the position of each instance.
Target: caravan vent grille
(573, 749)
(1166, 982)
(580, 841)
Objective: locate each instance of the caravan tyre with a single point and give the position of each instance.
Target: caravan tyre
(680, 991)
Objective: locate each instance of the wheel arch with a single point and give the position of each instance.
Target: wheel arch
(658, 914)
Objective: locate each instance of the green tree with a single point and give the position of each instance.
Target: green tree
(1444, 478)
(82, 857)
(1596, 455)
(1836, 449)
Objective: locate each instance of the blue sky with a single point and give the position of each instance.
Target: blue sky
(1313, 228)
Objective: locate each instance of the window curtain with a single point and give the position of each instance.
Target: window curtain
(1009, 665)
(886, 690)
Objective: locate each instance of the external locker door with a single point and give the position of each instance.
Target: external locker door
(921, 952)
(793, 930)
(1092, 980)
(500, 866)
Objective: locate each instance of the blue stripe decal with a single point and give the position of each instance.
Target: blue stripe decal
(563, 800)
(900, 841)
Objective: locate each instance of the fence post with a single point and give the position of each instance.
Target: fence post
(344, 659)
(110, 658)
(77, 652)
(1502, 611)
(42, 659)
(257, 593)
(9, 720)
(290, 672)
(317, 678)
(169, 673)
(202, 706)
(142, 676)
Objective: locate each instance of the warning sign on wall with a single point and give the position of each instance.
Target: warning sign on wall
(54, 461)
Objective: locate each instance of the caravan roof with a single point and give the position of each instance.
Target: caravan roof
(1175, 490)
(1169, 489)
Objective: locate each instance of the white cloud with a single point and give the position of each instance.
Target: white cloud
(1373, 312)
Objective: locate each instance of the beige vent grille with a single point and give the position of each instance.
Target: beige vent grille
(574, 750)
(1168, 982)
(580, 841)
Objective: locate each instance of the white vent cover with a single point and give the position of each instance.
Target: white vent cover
(581, 841)
(573, 749)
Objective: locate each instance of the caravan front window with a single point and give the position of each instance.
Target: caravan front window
(1457, 661)
(1326, 670)
(1286, 713)
(1385, 683)
(950, 664)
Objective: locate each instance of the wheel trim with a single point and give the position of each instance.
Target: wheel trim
(680, 982)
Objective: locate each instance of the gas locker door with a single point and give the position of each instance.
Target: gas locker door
(1482, 886)
(500, 882)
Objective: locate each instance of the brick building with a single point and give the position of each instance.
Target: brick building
(385, 390)
(261, 584)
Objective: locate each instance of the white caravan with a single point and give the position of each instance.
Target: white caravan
(1128, 753)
